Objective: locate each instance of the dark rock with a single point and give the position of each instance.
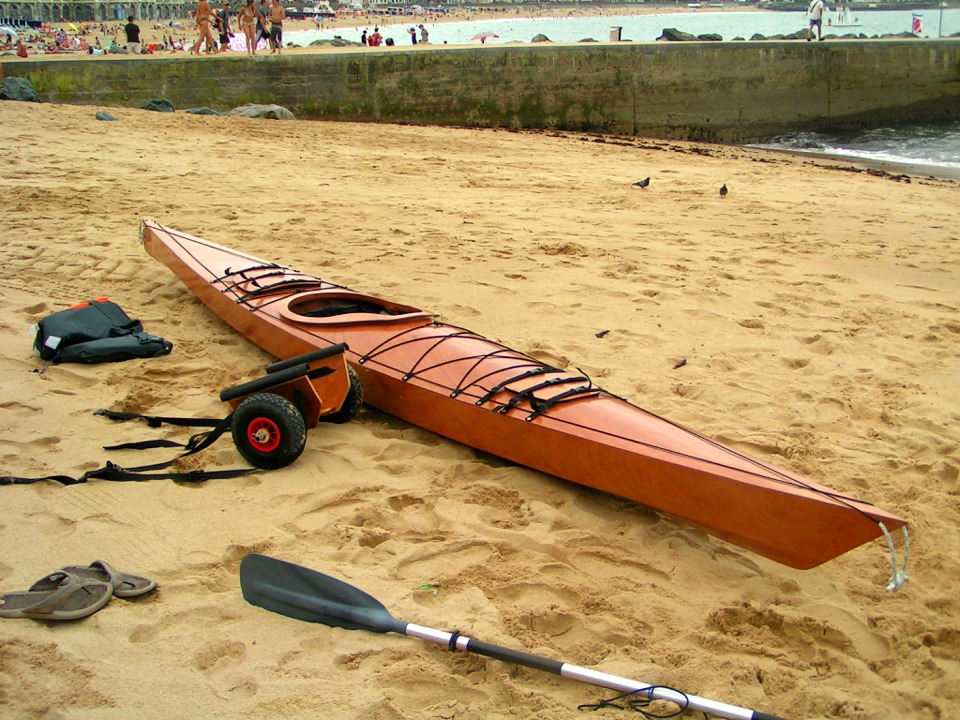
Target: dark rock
(101, 115)
(712, 37)
(203, 111)
(18, 88)
(541, 38)
(674, 35)
(269, 112)
(798, 35)
(336, 42)
(587, 40)
(158, 105)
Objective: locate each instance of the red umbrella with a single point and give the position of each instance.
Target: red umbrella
(482, 37)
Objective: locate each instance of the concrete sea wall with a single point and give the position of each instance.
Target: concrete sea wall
(724, 92)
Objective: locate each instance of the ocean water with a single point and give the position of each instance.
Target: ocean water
(641, 28)
(933, 146)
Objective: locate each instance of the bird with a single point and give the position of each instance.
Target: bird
(723, 190)
(642, 183)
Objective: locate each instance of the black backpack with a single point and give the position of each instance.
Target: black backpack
(95, 332)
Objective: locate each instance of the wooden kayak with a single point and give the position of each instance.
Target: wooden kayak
(458, 384)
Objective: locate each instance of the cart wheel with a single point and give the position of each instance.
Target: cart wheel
(268, 431)
(351, 406)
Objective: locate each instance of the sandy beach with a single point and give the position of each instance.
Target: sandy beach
(811, 318)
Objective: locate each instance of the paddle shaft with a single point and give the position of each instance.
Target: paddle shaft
(315, 597)
(585, 675)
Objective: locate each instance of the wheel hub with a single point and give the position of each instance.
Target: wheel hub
(263, 434)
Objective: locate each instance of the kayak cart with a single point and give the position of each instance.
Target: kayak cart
(271, 414)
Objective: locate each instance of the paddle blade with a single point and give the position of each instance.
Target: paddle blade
(305, 594)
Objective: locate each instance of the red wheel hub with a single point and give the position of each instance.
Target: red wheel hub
(263, 434)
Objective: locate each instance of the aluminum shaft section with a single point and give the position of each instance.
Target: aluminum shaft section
(592, 677)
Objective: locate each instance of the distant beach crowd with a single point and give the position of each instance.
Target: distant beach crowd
(178, 35)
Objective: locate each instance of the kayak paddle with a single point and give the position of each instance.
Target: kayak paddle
(305, 594)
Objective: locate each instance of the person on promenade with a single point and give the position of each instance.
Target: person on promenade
(277, 15)
(424, 35)
(262, 32)
(413, 35)
(815, 13)
(21, 49)
(133, 36)
(224, 16)
(363, 37)
(250, 18)
(204, 14)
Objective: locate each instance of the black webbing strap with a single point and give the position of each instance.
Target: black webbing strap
(157, 420)
(112, 471)
(499, 387)
(541, 406)
(528, 394)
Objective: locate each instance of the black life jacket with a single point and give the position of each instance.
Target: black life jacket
(95, 332)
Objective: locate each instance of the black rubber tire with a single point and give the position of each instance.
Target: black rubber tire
(351, 406)
(268, 431)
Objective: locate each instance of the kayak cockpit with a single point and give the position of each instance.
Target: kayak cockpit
(338, 307)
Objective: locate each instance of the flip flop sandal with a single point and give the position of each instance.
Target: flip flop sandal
(66, 597)
(124, 584)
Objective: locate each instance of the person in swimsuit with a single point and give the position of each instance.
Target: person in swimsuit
(248, 17)
(277, 14)
(203, 23)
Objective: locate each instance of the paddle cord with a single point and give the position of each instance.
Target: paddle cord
(640, 705)
(899, 576)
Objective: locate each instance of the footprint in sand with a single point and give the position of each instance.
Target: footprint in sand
(39, 677)
(222, 662)
(795, 363)
(219, 654)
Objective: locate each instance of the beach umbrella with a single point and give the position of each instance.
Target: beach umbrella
(7, 30)
(303, 594)
(483, 37)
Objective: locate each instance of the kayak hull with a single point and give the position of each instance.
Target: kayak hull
(460, 385)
